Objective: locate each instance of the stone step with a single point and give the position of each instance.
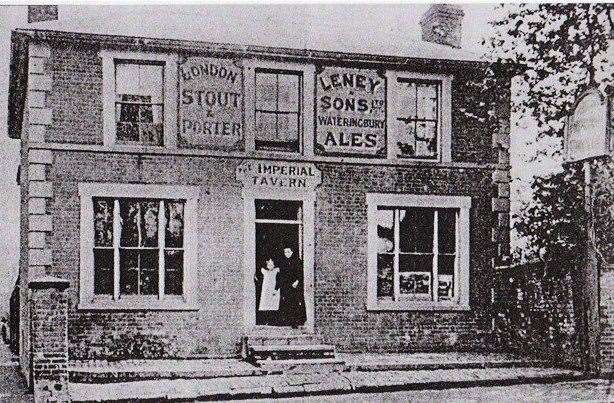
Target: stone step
(291, 339)
(290, 352)
(302, 366)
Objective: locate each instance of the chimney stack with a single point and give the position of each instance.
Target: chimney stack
(443, 24)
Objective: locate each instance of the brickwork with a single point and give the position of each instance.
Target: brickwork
(340, 280)
(67, 108)
(49, 318)
(534, 313)
(603, 200)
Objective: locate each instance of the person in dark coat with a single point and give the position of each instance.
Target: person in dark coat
(292, 295)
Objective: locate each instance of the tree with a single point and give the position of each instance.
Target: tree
(561, 49)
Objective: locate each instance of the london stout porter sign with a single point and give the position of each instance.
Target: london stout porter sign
(210, 101)
(350, 112)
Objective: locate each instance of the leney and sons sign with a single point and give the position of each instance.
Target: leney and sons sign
(350, 112)
(210, 102)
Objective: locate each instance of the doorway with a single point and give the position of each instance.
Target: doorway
(278, 225)
(275, 222)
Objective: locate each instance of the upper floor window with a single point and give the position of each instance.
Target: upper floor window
(278, 110)
(417, 122)
(419, 116)
(139, 98)
(418, 251)
(139, 102)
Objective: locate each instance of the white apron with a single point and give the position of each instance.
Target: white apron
(269, 297)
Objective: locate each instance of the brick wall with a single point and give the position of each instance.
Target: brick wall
(76, 100)
(534, 312)
(74, 103)
(49, 315)
(340, 259)
(603, 200)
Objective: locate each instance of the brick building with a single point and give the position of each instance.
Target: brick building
(159, 176)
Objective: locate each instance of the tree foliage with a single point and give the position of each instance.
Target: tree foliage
(554, 221)
(559, 50)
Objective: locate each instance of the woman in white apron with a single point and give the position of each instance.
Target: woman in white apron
(269, 293)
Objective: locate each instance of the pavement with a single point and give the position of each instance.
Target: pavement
(12, 385)
(596, 390)
(363, 374)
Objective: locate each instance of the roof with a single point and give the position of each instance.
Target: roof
(411, 53)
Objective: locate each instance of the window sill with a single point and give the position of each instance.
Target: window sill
(137, 304)
(416, 306)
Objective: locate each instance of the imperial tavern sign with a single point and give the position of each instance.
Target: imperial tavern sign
(586, 134)
(279, 174)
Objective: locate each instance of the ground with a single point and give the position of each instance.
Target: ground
(12, 385)
(594, 390)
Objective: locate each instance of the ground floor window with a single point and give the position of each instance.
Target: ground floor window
(136, 243)
(418, 251)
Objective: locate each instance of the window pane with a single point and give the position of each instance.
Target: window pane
(385, 230)
(416, 230)
(288, 92)
(103, 271)
(447, 230)
(149, 272)
(406, 137)
(151, 81)
(128, 271)
(427, 101)
(426, 139)
(129, 213)
(412, 262)
(266, 126)
(266, 91)
(173, 272)
(174, 223)
(385, 273)
(127, 112)
(127, 131)
(149, 223)
(103, 222)
(151, 133)
(127, 78)
(445, 289)
(407, 102)
(446, 264)
(415, 284)
(288, 127)
(279, 209)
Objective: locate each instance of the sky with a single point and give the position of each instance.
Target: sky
(340, 27)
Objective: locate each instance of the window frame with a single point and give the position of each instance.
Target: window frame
(169, 94)
(87, 298)
(463, 204)
(444, 123)
(277, 112)
(306, 74)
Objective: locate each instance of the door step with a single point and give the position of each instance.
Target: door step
(302, 366)
(291, 352)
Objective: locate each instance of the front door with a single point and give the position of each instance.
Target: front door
(278, 262)
(279, 232)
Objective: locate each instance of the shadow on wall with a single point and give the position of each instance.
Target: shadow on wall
(534, 312)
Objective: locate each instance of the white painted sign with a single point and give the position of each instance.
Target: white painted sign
(586, 134)
(279, 174)
(211, 101)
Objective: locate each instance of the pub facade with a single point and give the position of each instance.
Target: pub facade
(160, 177)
